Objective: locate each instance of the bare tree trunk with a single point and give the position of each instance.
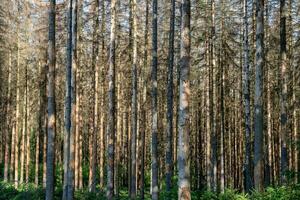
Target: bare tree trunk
(184, 100)
(143, 106)
(51, 104)
(68, 186)
(170, 101)
(283, 96)
(134, 109)
(111, 106)
(154, 145)
(246, 92)
(95, 71)
(258, 100)
(8, 121)
(16, 146)
(24, 129)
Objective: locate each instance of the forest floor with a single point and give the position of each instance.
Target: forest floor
(30, 192)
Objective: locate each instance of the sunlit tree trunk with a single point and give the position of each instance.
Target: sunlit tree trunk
(111, 105)
(184, 100)
(134, 109)
(95, 84)
(8, 120)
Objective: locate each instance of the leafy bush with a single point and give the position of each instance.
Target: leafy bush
(30, 191)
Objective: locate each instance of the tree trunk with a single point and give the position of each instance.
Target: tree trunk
(134, 109)
(16, 146)
(283, 96)
(24, 129)
(68, 186)
(8, 121)
(111, 106)
(258, 100)
(246, 93)
(154, 145)
(170, 102)
(95, 71)
(51, 104)
(143, 106)
(184, 97)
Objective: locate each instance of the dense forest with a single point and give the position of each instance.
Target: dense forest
(150, 99)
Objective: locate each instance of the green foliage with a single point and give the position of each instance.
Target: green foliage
(30, 191)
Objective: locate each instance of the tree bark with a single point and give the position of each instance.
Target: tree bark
(154, 145)
(170, 101)
(51, 103)
(111, 105)
(258, 100)
(184, 100)
(246, 98)
(283, 95)
(8, 121)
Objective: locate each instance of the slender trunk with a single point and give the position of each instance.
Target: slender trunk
(111, 105)
(8, 121)
(45, 158)
(37, 155)
(143, 106)
(258, 100)
(94, 125)
(184, 100)
(134, 103)
(68, 186)
(16, 146)
(283, 96)
(51, 104)
(154, 145)
(24, 129)
(246, 93)
(169, 148)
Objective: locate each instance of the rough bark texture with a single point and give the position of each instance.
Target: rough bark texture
(170, 101)
(95, 84)
(184, 96)
(68, 190)
(134, 109)
(246, 98)
(258, 99)
(8, 121)
(51, 103)
(111, 105)
(154, 156)
(283, 96)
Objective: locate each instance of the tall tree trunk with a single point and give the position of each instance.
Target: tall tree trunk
(283, 96)
(144, 102)
(8, 121)
(51, 103)
(134, 109)
(16, 146)
(246, 93)
(68, 190)
(184, 100)
(111, 105)
(169, 148)
(154, 145)
(258, 100)
(24, 129)
(95, 71)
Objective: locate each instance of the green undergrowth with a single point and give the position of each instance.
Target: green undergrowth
(30, 192)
